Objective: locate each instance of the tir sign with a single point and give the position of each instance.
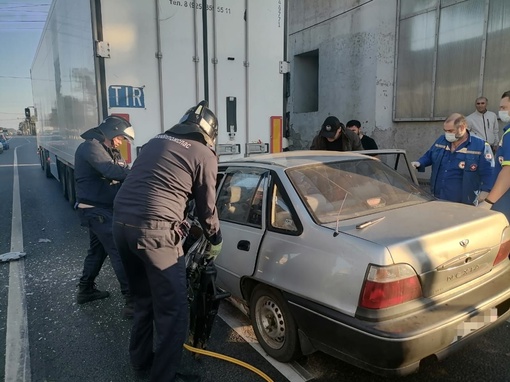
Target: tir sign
(126, 96)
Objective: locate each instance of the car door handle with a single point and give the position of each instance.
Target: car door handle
(243, 245)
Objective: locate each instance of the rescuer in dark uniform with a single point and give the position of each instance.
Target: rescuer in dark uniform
(172, 168)
(98, 171)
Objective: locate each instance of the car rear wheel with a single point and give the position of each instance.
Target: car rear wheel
(273, 324)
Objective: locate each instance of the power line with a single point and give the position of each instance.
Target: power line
(23, 21)
(9, 6)
(23, 78)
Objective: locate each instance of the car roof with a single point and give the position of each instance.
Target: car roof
(302, 157)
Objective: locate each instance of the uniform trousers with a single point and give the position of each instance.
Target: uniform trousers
(152, 256)
(101, 244)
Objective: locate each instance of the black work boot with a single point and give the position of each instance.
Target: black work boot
(87, 292)
(129, 307)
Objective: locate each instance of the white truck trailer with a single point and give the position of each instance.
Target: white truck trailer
(149, 61)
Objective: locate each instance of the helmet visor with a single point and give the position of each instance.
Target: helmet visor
(129, 133)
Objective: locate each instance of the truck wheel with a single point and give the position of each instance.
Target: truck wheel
(71, 196)
(47, 168)
(273, 324)
(62, 176)
(41, 158)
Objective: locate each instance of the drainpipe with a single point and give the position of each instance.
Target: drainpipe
(247, 78)
(159, 57)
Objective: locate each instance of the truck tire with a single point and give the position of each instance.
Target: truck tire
(41, 158)
(71, 195)
(62, 178)
(47, 167)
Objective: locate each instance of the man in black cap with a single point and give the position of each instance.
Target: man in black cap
(335, 137)
(98, 172)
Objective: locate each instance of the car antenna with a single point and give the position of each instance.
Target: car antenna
(335, 234)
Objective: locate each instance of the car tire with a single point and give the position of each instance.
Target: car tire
(273, 324)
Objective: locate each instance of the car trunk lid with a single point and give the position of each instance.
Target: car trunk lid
(447, 244)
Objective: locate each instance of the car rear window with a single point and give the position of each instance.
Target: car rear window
(347, 189)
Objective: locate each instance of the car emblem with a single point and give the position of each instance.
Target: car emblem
(464, 243)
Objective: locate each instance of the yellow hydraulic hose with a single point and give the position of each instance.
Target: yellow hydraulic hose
(229, 359)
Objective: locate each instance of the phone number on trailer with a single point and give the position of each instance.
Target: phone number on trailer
(194, 5)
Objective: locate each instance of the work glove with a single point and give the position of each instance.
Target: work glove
(484, 205)
(214, 251)
(183, 229)
(481, 196)
(415, 164)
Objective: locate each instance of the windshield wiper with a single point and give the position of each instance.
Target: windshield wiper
(369, 223)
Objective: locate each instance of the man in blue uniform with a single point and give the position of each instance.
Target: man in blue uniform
(172, 169)
(499, 197)
(462, 164)
(98, 171)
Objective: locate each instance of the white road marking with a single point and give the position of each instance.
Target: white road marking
(17, 355)
(20, 165)
(244, 330)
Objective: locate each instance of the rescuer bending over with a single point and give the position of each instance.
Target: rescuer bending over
(171, 169)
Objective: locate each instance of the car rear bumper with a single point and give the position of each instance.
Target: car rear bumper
(396, 346)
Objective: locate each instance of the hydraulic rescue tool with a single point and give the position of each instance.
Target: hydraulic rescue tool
(203, 295)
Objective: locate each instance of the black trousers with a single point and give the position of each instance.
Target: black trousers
(155, 268)
(101, 244)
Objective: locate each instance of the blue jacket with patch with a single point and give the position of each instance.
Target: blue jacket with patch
(458, 176)
(503, 159)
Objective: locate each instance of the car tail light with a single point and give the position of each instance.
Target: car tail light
(503, 253)
(389, 286)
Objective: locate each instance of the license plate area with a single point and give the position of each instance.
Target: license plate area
(475, 323)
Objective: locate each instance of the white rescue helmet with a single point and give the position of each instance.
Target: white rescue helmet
(111, 127)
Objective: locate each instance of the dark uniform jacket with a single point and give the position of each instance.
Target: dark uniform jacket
(97, 173)
(169, 171)
(350, 142)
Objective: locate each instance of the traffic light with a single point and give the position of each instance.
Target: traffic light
(27, 112)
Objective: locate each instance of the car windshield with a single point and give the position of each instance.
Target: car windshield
(342, 190)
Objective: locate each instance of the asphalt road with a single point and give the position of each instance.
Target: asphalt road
(67, 342)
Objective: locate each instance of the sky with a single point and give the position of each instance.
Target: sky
(21, 25)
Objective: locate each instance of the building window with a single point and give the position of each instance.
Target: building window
(306, 82)
(449, 53)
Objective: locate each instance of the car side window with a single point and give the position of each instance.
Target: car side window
(281, 215)
(240, 198)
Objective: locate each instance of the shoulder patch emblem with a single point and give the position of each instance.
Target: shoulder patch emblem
(473, 167)
(462, 165)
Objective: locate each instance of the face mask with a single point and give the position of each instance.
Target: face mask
(450, 137)
(503, 115)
